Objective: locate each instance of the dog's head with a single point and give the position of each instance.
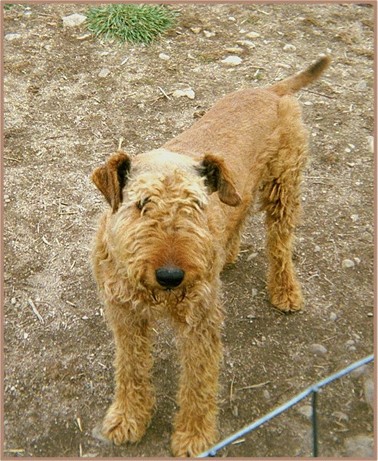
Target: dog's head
(112, 177)
(161, 231)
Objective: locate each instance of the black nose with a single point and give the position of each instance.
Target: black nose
(169, 276)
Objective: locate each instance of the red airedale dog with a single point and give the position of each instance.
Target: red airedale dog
(175, 219)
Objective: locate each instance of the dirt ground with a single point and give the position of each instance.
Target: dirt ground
(69, 98)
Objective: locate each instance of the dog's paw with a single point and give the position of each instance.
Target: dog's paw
(119, 427)
(287, 300)
(185, 445)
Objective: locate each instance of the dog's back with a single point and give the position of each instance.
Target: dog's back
(238, 127)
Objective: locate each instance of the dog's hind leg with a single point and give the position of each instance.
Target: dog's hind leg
(281, 201)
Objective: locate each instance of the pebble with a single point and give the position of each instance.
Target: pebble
(369, 392)
(360, 371)
(104, 73)
(370, 141)
(333, 316)
(253, 35)
(340, 416)
(164, 57)
(246, 43)
(235, 49)
(253, 292)
(73, 20)
(289, 47)
(318, 349)
(360, 446)
(188, 92)
(208, 34)
(12, 36)
(232, 61)
(196, 30)
(305, 410)
(361, 86)
(354, 217)
(347, 263)
(317, 249)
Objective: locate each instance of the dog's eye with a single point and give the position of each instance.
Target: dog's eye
(141, 203)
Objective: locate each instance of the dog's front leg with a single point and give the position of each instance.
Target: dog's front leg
(130, 413)
(200, 349)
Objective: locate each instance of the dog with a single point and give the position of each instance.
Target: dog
(175, 219)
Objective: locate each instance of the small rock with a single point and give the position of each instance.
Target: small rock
(289, 47)
(360, 371)
(13, 301)
(340, 416)
(246, 43)
(354, 217)
(266, 394)
(235, 410)
(208, 34)
(317, 249)
(369, 392)
(164, 57)
(84, 37)
(235, 49)
(308, 103)
(360, 446)
(253, 35)
(252, 256)
(305, 410)
(189, 93)
(196, 30)
(253, 292)
(73, 20)
(283, 66)
(104, 73)
(350, 345)
(370, 141)
(12, 36)
(361, 86)
(333, 316)
(318, 349)
(347, 263)
(232, 61)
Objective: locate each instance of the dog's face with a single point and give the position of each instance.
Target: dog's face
(159, 232)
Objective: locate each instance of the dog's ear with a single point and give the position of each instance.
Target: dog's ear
(218, 179)
(111, 178)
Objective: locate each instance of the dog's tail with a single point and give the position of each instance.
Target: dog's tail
(294, 83)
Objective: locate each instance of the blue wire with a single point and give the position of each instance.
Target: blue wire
(314, 388)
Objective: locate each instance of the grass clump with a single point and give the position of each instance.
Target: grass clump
(130, 23)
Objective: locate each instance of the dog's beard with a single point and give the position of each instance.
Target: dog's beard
(161, 296)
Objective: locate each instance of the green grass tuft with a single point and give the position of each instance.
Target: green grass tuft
(130, 23)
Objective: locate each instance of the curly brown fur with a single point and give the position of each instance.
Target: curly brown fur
(175, 219)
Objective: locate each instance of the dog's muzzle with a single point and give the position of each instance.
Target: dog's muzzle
(169, 277)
